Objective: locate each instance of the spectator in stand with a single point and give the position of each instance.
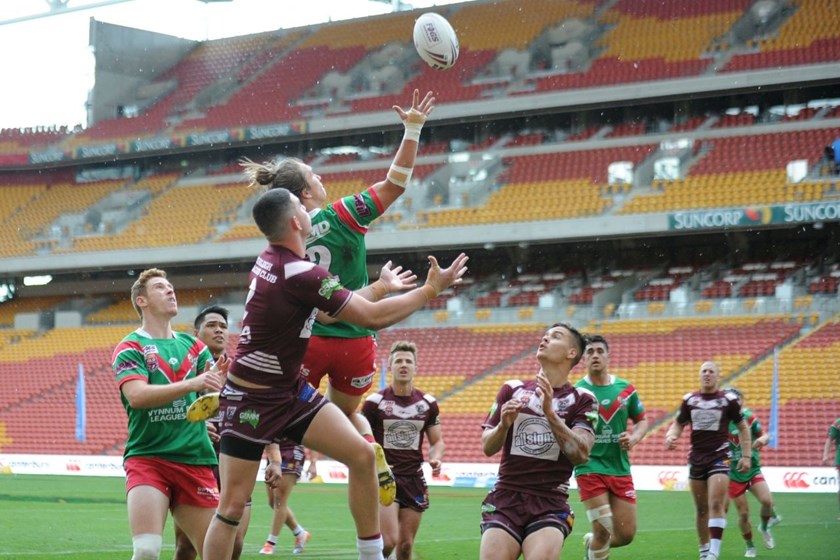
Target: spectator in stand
(267, 396)
(168, 460)
(709, 411)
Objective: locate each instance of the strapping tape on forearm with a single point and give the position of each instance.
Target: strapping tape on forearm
(400, 176)
(412, 131)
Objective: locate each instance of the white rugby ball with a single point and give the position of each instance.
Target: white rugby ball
(435, 41)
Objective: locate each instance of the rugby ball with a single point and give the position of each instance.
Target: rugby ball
(435, 41)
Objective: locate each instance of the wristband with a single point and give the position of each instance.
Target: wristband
(400, 176)
(379, 290)
(430, 293)
(412, 131)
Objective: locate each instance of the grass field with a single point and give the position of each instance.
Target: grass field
(77, 518)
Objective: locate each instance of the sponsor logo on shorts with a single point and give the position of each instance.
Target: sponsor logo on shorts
(251, 417)
(206, 491)
(362, 382)
(795, 479)
(630, 494)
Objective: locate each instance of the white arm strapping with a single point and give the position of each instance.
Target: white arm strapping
(400, 176)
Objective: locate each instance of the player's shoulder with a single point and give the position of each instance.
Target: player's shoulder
(688, 395)
(581, 391)
(731, 397)
(376, 398)
(514, 383)
(428, 397)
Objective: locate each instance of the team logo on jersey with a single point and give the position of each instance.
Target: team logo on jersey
(421, 408)
(563, 403)
(150, 354)
(173, 361)
(230, 412)
(329, 286)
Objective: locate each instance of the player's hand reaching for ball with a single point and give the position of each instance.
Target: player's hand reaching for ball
(395, 279)
(420, 109)
(440, 279)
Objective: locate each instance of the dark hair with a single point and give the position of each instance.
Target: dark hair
(270, 211)
(596, 338)
(579, 339)
(218, 309)
(286, 174)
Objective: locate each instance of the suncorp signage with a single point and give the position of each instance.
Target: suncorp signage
(755, 216)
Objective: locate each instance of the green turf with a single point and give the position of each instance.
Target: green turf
(77, 518)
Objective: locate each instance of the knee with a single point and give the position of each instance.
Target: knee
(404, 550)
(622, 538)
(363, 458)
(147, 547)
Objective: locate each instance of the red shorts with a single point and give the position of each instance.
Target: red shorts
(740, 488)
(349, 362)
(594, 484)
(193, 485)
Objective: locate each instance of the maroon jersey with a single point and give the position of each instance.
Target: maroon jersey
(532, 461)
(399, 424)
(284, 295)
(709, 415)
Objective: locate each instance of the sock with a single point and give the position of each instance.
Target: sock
(370, 548)
(272, 540)
(748, 539)
(764, 520)
(369, 438)
(297, 530)
(716, 527)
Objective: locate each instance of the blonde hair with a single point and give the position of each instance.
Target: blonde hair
(285, 173)
(403, 346)
(139, 286)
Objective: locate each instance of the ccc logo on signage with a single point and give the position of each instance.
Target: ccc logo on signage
(668, 479)
(795, 479)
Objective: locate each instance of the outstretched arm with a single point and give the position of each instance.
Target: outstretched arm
(392, 310)
(402, 167)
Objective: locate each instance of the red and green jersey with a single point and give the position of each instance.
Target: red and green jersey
(756, 431)
(337, 243)
(618, 401)
(164, 431)
(834, 433)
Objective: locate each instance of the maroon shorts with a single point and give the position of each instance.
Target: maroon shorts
(412, 491)
(703, 472)
(522, 514)
(349, 362)
(291, 458)
(740, 488)
(193, 485)
(595, 484)
(262, 416)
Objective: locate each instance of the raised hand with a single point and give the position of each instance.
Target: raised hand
(420, 110)
(440, 279)
(396, 279)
